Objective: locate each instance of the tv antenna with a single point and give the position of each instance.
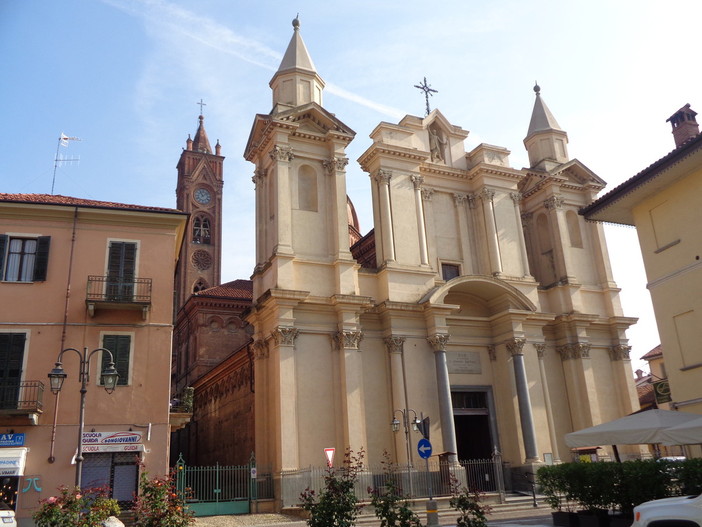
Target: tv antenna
(61, 160)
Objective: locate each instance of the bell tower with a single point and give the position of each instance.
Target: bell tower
(199, 193)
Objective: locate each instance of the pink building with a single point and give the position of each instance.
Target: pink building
(87, 275)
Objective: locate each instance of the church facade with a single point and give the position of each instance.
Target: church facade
(481, 299)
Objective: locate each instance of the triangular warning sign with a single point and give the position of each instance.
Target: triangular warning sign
(329, 452)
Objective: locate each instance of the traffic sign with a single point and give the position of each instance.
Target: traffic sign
(329, 452)
(424, 448)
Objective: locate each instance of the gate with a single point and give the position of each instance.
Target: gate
(217, 490)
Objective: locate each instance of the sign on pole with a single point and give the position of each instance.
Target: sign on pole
(329, 452)
(424, 448)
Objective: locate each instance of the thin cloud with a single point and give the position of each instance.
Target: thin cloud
(163, 19)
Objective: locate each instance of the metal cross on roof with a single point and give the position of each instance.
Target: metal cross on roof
(201, 105)
(426, 88)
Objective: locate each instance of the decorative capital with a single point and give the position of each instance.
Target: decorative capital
(459, 199)
(395, 344)
(578, 350)
(492, 352)
(487, 194)
(383, 176)
(472, 200)
(515, 346)
(540, 349)
(619, 352)
(427, 193)
(438, 341)
(259, 175)
(417, 181)
(335, 164)
(554, 202)
(516, 197)
(348, 339)
(282, 153)
(260, 349)
(285, 335)
(527, 219)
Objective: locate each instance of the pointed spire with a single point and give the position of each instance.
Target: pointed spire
(201, 143)
(296, 56)
(541, 117)
(545, 142)
(296, 82)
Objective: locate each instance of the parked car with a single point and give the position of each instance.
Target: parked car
(7, 515)
(682, 511)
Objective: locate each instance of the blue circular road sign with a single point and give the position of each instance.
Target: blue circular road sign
(424, 448)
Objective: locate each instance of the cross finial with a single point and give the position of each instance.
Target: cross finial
(201, 105)
(426, 88)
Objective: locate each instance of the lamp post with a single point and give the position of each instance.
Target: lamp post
(407, 423)
(109, 379)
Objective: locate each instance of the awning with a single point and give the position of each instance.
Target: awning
(12, 461)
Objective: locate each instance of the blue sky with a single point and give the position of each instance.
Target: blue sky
(125, 76)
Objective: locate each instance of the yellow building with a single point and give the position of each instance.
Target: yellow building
(663, 203)
(83, 276)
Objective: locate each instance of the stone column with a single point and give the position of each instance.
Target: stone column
(282, 155)
(488, 195)
(561, 241)
(383, 178)
(427, 194)
(352, 397)
(259, 180)
(516, 198)
(288, 441)
(540, 350)
(448, 427)
(580, 383)
(395, 346)
(336, 169)
(621, 364)
(265, 448)
(460, 202)
(423, 252)
(526, 417)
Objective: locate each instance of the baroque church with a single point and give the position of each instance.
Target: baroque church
(480, 299)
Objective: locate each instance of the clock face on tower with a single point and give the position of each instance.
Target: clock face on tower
(202, 195)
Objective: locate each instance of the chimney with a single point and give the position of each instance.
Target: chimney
(684, 124)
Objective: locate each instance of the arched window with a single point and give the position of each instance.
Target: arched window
(202, 233)
(200, 285)
(307, 188)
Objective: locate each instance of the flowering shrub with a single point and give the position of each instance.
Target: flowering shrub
(76, 508)
(467, 503)
(390, 503)
(159, 504)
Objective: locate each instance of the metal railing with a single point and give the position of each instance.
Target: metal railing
(119, 291)
(21, 396)
(484, 475)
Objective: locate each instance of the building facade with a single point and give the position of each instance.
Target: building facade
(84, 276)
(661, 202)
(480, 299)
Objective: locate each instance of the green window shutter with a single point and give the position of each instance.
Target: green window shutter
(41, 264)
(3, 248)
(120, 346)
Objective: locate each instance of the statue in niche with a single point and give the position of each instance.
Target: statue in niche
(436, 145)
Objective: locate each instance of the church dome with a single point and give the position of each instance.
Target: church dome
(354, 227)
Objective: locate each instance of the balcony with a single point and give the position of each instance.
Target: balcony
(105, 292)
(21, 399)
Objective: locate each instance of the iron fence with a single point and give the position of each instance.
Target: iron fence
(21, 396)
(119, 290)
(418, 481)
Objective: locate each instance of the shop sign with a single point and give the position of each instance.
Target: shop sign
(111, 438)
(11, 440)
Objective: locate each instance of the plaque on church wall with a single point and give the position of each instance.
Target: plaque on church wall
(463, 362)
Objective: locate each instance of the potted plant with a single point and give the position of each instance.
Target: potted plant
(554, 487)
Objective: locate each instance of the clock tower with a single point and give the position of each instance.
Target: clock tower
(199, 193)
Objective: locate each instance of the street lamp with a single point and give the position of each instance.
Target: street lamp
(407, 422)
(109, 378)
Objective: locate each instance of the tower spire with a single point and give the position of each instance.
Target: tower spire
(296, 82)
(201, 143)
(545, 142)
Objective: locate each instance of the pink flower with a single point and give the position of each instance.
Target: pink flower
(78, 496)
(52, 499)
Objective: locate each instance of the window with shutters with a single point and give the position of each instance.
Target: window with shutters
(121, 271)
(121, 347)
(11, 360)
(24, 259)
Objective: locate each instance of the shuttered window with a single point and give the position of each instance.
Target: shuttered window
(120, 346)
(24, 259)
(121, 271)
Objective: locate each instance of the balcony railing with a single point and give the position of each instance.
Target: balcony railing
(114, 293)
(21, 397)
